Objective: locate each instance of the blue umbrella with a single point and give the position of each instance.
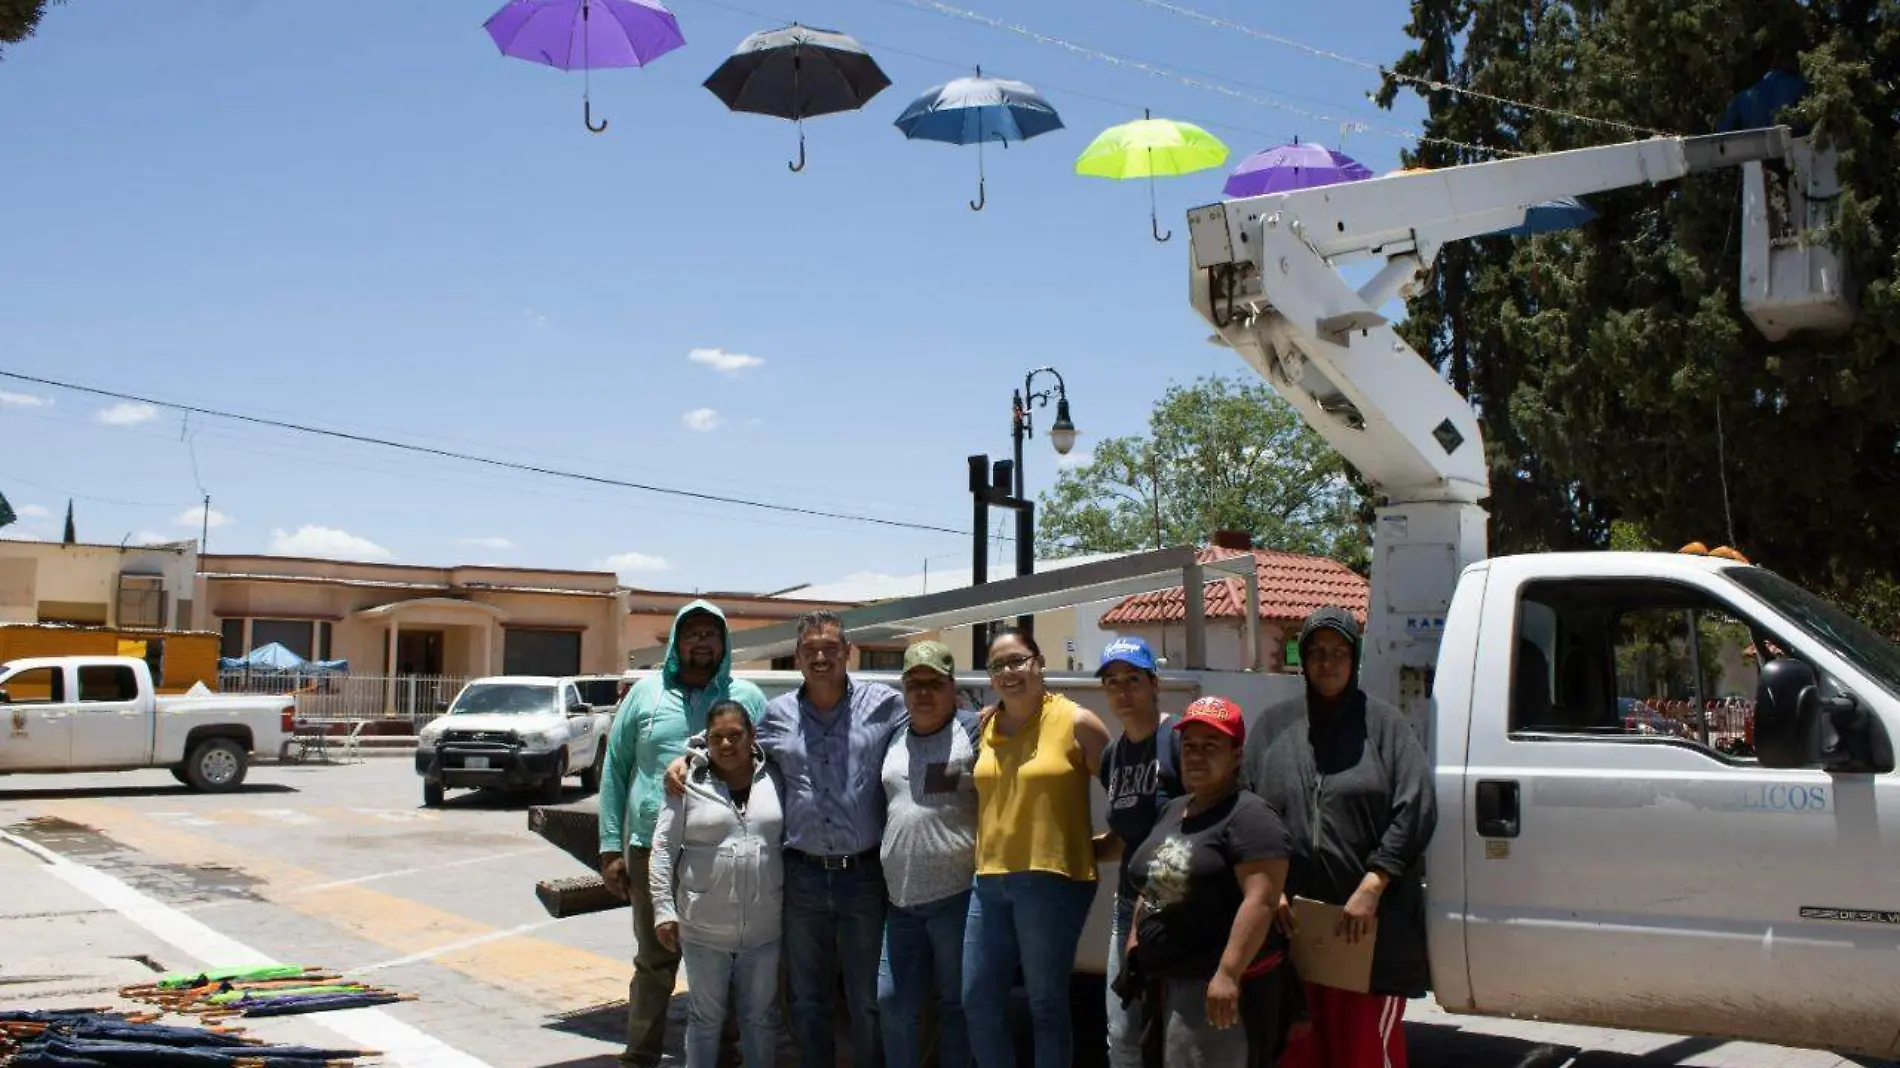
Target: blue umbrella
(1550, 216)
(975, 110)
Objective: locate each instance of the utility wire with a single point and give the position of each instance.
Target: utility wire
(1387, 72)
(962, 65)
(507, 465)
(1159, 71)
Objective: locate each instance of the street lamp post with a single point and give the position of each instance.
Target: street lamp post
(1061, 435)
(1061, 432)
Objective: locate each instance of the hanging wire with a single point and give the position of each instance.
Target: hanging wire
(1387, 72)
(1112, 59)
(962, 65)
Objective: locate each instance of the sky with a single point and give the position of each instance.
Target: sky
(359, 216)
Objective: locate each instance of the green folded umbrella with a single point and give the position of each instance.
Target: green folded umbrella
(1151, 148)
(255, 974)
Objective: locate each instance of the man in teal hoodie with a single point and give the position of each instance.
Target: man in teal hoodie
(650, 730)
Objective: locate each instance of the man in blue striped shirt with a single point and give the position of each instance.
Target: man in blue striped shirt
(829, 739)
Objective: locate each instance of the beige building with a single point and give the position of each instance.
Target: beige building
(146, 587)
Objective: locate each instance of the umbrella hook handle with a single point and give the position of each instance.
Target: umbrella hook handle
(1155, 225)
(800, 165)
(982, 196)
(587, 116)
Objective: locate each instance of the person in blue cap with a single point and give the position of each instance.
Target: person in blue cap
(1141, 772)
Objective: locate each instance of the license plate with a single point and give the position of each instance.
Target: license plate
(475, 763)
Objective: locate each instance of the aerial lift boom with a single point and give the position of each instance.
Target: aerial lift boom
(1264, 273)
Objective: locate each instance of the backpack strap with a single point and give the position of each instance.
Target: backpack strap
(1168, 749)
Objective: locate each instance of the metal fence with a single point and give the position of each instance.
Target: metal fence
(352, 697)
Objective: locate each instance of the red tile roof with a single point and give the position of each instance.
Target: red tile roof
(1291, 587)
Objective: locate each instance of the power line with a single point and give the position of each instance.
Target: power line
(1110, 58)
(963, 65)
(1387, 72)
(551, 472)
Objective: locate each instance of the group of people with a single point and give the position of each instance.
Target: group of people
(927, 855)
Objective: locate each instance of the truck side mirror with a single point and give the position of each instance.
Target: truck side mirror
(441, 707)
(1788, 715)
(5, 697)
(580, 708)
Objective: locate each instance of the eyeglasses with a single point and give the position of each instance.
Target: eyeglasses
(1009, 664)
(1324, 656)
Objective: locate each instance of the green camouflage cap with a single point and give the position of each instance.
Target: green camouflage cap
(933, 655)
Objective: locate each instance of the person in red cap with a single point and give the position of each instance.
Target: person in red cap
(1204, 952)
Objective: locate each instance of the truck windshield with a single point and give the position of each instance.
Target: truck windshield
(1857, 643)
(504, 698)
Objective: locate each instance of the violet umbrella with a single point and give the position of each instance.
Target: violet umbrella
(1295, 166)
(564, 34)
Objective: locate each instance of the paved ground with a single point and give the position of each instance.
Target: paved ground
(107, 877)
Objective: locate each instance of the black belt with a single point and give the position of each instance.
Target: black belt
(839, 862)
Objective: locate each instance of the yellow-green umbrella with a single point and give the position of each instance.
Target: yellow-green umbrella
(1151, 148)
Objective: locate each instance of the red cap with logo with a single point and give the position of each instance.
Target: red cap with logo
(1216, 712)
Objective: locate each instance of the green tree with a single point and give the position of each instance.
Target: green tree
(19, 18)
(1611, 366)
(1221, 454)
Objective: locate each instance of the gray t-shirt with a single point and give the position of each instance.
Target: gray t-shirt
(929, 848)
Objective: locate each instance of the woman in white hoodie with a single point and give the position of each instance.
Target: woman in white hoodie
(717, 880)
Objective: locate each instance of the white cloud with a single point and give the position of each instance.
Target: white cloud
(25, 400)
(624, 564)
(15, 534)
(726, 363)
(33, 511)
(326, 542)
(127, 413)
(196, 518)
(150, 537)
(701, 419)
(486, 543)
(539, 319)
(1074, 459)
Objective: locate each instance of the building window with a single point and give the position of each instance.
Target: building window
(541, 652)
(880, 659)
(297, 635)
(232, 644)
(142, 601)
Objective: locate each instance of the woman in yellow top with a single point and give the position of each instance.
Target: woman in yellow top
(1035, 858)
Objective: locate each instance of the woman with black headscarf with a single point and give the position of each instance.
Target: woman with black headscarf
(1348, 776)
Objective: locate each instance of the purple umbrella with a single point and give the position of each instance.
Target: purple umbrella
(1289, 167)
(565, 34)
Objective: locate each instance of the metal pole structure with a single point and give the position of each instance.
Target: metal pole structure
(979, 553)
(1019, 429)
(1025, 554)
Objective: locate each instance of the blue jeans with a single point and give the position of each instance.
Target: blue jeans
(1034, 919)
(920, 944)
(711, 975)
(834, 920)
(1124, 1023)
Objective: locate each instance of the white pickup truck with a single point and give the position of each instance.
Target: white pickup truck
(515, 732)
(102, 713)
(1621, 843)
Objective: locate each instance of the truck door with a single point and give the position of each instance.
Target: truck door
(36, 722)
(1629, 864)
(111, 727)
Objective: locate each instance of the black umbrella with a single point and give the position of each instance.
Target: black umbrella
(797, 73)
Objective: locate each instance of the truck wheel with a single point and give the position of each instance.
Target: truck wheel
(179, 774)
(216, 765)
(551, 786)
(432, 795)
(590, 779)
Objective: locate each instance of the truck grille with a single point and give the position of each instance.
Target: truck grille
(478, 738)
